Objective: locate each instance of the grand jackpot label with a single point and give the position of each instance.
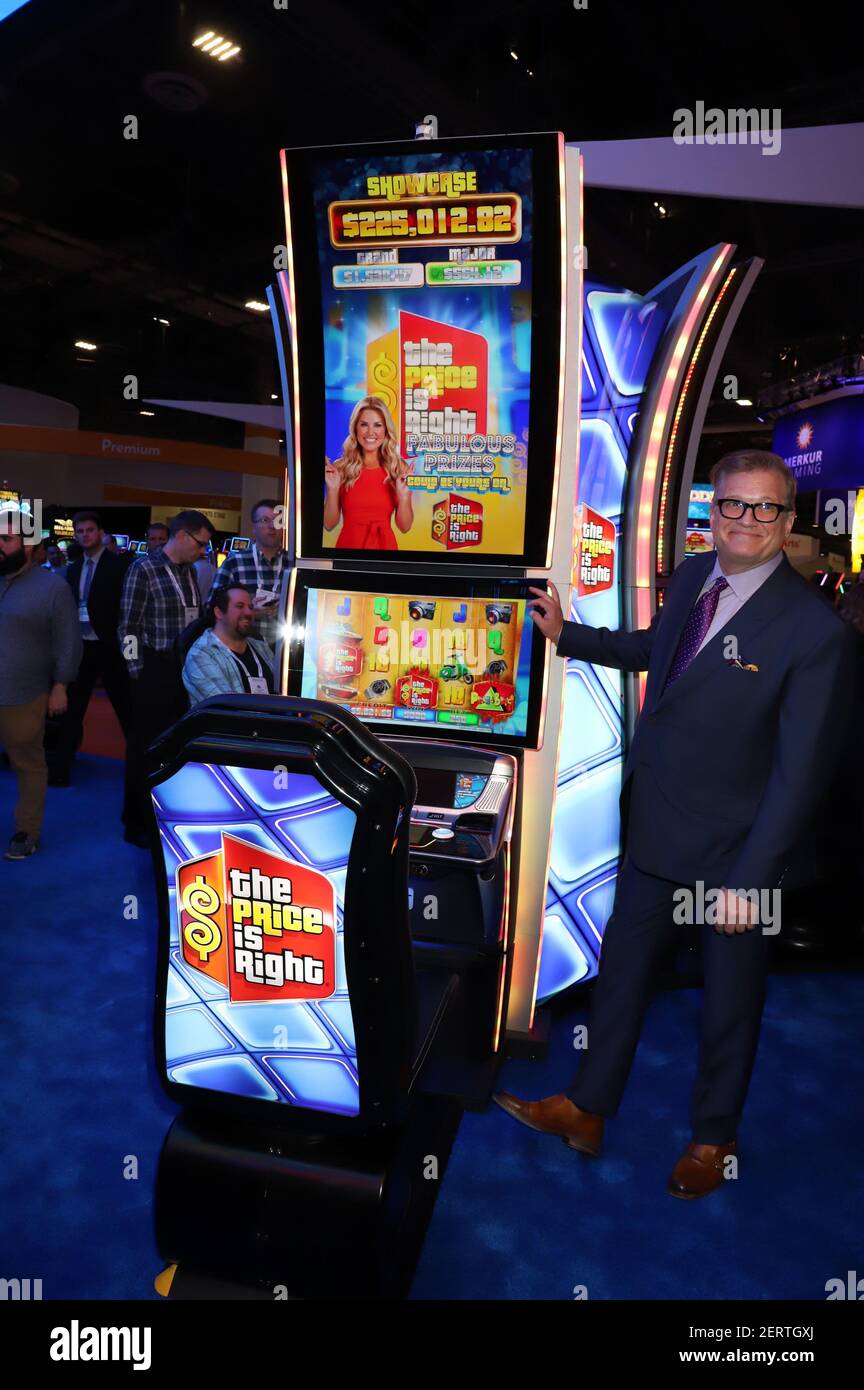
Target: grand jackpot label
(260, 924)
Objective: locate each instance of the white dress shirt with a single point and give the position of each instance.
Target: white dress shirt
(741, 587)
(87, 632)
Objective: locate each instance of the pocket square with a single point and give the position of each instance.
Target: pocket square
(742, 665)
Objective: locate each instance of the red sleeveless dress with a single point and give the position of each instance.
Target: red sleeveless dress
(366, 511)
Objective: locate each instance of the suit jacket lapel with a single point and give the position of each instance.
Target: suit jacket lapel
(765, 605)
(676, 611)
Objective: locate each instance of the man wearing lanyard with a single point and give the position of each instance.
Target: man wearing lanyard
(160, 599)
(226, 660)
(259, 570)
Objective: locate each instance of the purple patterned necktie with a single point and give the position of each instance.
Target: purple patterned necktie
(700, 619)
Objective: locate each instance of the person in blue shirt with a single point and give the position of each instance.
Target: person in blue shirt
(226, 660)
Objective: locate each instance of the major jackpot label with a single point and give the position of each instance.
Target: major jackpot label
(260, 924)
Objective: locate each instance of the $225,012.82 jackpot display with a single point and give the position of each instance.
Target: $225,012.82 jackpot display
(438, 290)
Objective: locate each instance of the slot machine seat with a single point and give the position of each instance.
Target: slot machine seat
(301, 1191)
(185, 641)
(399, 1022)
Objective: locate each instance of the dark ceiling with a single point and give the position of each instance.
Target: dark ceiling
(100, 236)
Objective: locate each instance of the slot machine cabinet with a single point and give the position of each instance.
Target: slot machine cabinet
(307, 1191)
(443, 278)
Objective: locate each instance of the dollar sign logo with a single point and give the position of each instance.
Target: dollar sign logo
(439, 523)
(382, 380)
(202, 934)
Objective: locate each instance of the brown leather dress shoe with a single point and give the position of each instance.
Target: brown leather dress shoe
(699, 1170)
(556, 1115)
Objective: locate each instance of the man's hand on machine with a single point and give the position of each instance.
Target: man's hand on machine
(547, 614)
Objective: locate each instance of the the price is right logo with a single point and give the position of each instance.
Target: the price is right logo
(258, 923)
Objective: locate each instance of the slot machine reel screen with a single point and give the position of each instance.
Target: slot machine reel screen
(447, 659)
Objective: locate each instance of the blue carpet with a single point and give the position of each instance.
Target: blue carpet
(519, 1216)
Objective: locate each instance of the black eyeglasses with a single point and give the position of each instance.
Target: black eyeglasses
(766, 512)
(202, 544)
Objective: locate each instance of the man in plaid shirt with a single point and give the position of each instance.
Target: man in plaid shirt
(160, 598)
(259, 571)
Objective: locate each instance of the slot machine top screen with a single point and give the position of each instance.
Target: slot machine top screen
(427, 276)
(454, 659)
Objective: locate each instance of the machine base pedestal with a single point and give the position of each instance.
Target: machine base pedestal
(534, 1045)
(249, 1215)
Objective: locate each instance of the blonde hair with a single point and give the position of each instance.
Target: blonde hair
(350, 461)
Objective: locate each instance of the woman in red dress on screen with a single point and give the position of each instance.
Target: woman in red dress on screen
(368, 482)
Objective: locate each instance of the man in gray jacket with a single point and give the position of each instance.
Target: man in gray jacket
(40, 643)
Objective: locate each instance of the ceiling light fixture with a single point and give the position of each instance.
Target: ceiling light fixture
(84, 345)
(257, 305)
(743, 401)
(216, 45)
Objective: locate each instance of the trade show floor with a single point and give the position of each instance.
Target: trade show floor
(520, 1216)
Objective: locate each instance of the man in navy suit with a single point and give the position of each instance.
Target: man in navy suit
(96, 580)
(740, 728)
